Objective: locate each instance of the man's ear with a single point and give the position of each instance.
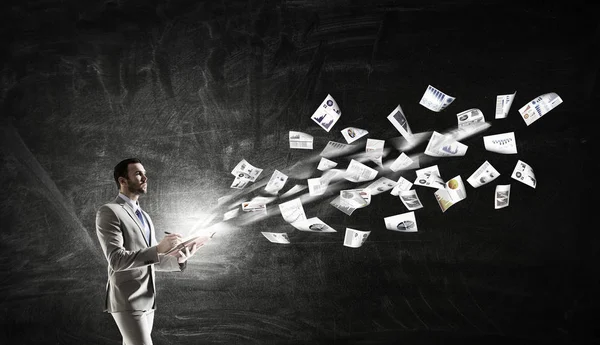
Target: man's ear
(122, 180)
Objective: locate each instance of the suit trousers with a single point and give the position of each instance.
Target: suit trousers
(135, 326)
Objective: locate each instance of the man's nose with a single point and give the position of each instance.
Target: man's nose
(144, 178)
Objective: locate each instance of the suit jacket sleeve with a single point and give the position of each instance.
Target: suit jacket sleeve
(110, 235)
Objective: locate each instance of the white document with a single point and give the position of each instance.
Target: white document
(441, 146)
(245, 170)
(316, 186)
(502, 196)
(355, 198)
(504, 143)
(405, 222)
(382, 184)
(352, 134)
(401, 185)
(313, 225)
(334, 149)
(454, 191)
(358, 172)
(327, 114)
(374, 150)
(355, 238)
(277, 237)
(351, 199)
(346, 208)
(539, 107)
(402, 162)
(443, 198)
(469, 117)
(435, 100)
(410, 199)
(299, 140)
(503, 103)
(429, 177)
(292, 211)
(486, 173)
(253, 207)
(398, 119)
(296, 189)
(231, 214)
(239, 183)
(276, 182)
(326, 164)
(524, 173)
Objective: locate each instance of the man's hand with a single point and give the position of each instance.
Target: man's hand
(187, 253)
(168, 242)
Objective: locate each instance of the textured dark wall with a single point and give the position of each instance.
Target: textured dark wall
(193, 87)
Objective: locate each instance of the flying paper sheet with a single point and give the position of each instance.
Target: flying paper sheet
(401, 185)
(503, 103)
(239, 183)
(404, 222)
(486, 173)
(410, 199)
(292, 211)
(358, 172)
(355, 238)
(351, 199)
(454, 191)
(276, 237)
(502, 196)
(374, 150)
(441, 146)
(435, 100)
(352, 134)
(250, 207)
(469, 117)
(398, 119)
(539, 107)
(313, 225)
(326, 164)
(334, 149)
(381, 185)
(299, 140)
(316, 186)
(504, 143)
(429, 177)
(276, 182)
(245, 170)
(327, 114)
(402, 162)
(524, 173)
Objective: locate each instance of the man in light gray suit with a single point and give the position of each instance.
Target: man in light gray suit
(126, 234)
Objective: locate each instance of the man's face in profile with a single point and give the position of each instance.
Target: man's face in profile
(136, 179)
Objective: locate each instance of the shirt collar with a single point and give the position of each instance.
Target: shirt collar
(134, 204)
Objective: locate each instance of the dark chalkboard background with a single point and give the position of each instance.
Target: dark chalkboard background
(193, 87)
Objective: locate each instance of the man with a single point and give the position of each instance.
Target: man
(126, 234)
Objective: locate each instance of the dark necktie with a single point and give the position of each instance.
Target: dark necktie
(144, 225)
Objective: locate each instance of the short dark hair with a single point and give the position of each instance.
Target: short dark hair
(121, 169)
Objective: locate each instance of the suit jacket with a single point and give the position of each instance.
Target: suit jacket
(131, 261)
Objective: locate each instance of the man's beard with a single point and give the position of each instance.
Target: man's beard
(135, 190)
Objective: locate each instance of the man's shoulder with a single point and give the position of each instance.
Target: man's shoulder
(113, 205)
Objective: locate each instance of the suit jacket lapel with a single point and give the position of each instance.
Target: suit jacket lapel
(133, 216)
